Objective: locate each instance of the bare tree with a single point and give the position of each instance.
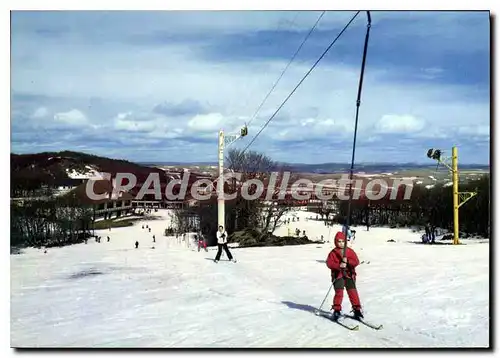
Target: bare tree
(250, 162)
(264, 214)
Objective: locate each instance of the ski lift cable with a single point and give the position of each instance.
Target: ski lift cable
(286, 67)
(281, 23)
(302, 80)
(242, 153)
(358, 103)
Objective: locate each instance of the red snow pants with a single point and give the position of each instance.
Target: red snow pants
(352, 292)
(202, 243)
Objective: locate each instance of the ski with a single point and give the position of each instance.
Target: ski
(340, 322)
(366, 323)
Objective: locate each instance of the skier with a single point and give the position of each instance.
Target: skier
(353, 235)
(348, 232)
(201, 243)
(136, 244)
(222, 244)
(427, 233)
(344, 275)
(154, 238)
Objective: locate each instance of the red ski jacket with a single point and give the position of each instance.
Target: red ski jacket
(335, 258)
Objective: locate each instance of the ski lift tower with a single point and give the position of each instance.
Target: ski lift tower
(224, 142)
(459, 198)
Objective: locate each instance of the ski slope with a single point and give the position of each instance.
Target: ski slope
(110, 294)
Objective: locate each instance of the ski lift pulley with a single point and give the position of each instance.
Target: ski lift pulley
(244, 131)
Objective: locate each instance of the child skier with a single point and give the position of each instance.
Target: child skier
(344, 275)
(201, 243)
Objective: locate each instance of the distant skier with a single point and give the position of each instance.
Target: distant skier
(432, 232)
(201, 243)
(154, 238)
(136, 244)
(427, 233)
(108, 238)
(344, 275)
(347, 232)
(353, 235)
(222, 244)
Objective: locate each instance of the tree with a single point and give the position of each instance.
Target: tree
(266, 215)
(260, 214)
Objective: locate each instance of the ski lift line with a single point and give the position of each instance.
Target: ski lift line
(358, 103)
(280, 26)
(302, 80)
(231, 166)
(286, 67)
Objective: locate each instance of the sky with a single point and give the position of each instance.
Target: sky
(158, 86)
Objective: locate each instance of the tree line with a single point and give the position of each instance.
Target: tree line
(432, 206)
(48, 220)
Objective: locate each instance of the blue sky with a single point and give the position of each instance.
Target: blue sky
(157, 86)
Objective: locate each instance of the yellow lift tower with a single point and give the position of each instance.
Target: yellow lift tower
(459, 198)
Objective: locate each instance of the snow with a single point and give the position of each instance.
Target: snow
(448, 184)
(110, 294)
(91, 173)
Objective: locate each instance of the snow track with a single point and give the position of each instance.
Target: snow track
(112, 295)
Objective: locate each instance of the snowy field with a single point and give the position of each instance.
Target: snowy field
(110, 294)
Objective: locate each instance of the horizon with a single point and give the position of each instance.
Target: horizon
(174, 163)
(139, 85)
(320, 164)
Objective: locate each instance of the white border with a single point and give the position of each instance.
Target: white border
(185, 5)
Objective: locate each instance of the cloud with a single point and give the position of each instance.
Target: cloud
(40, 112)
(73, 118)
(206, 122)
(186, 107)
(127, 122)
(399, 124)
(152, 85)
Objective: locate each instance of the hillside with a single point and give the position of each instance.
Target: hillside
(31, 171)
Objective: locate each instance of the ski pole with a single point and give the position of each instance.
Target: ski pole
(324, 299)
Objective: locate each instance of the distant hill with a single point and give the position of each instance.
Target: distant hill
(30, 171)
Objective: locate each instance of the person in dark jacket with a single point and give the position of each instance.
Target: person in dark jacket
(343, 275)
(427, 233)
